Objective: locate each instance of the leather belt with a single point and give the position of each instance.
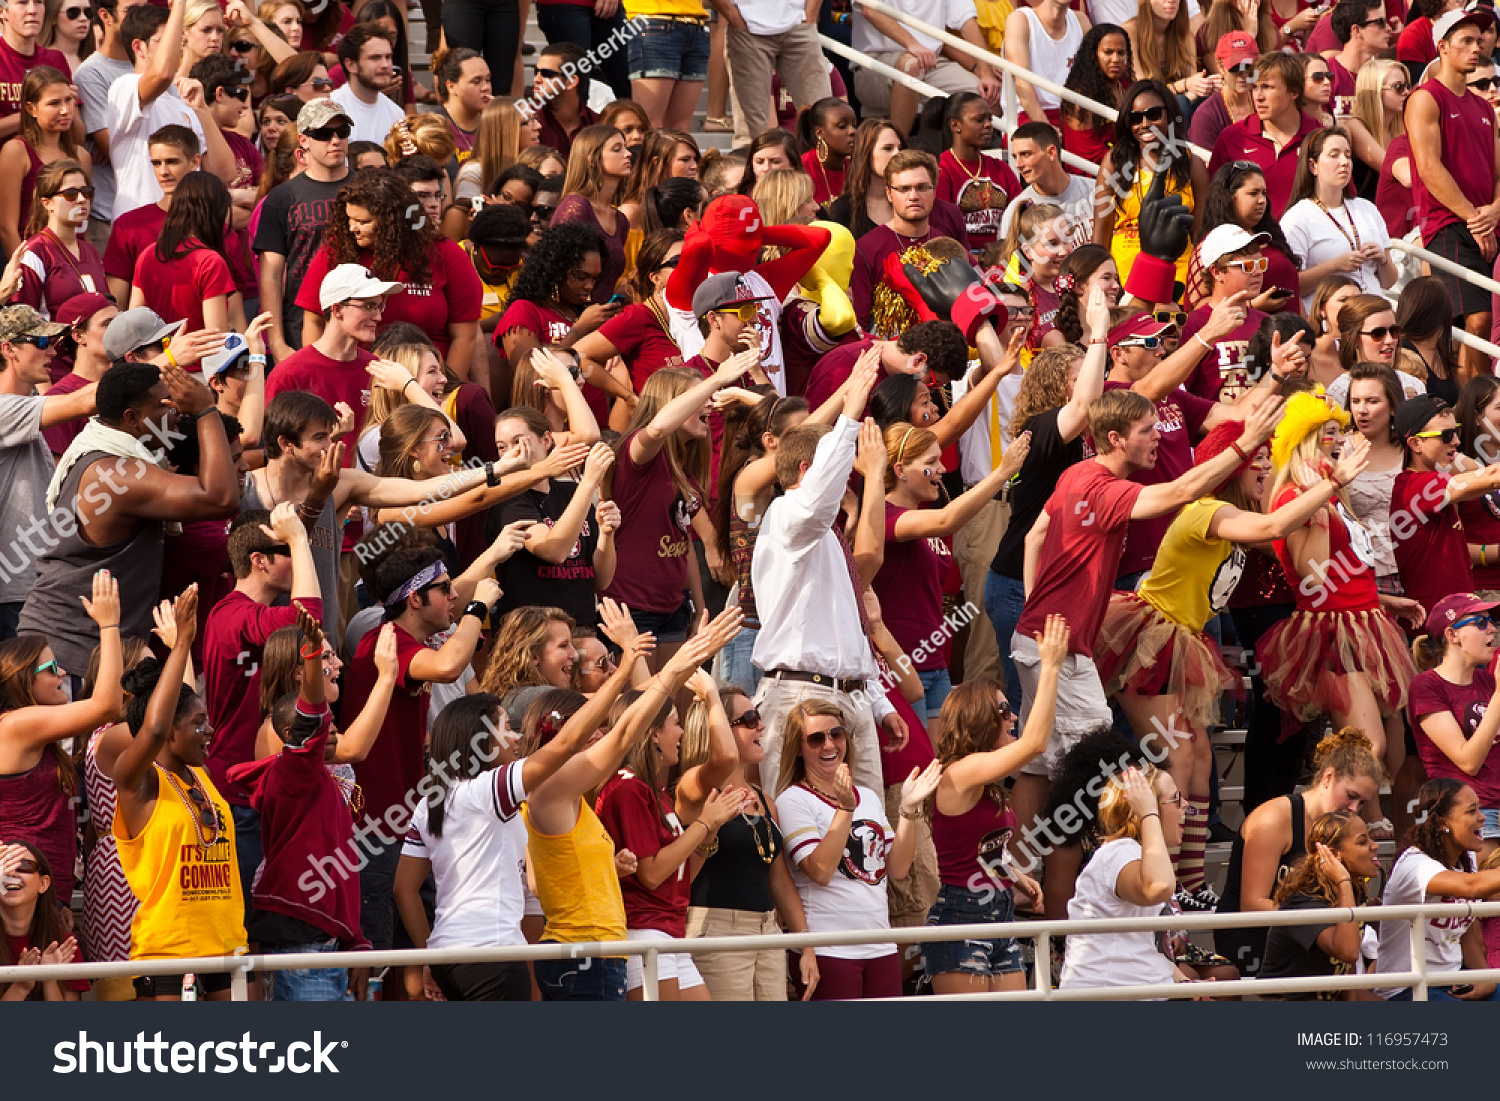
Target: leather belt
(844, 684)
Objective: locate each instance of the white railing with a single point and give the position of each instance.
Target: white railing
(865, 61)
(1039, 932)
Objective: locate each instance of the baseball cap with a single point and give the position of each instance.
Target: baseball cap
(1136, 325)
(724, 289)
(235, 347)
(1480, 15)
(351, 281)
(1236, 47)
(135, 329)
(1413, 414)
(318, 113)
(1449, 610)
(81, 307)
(1225, 239)
(21, 321)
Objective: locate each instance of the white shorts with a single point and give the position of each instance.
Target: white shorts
(669, 965)
(1081, 703)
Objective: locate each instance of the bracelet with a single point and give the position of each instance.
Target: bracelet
(1340, 882)
(1199, 338)
(913, 816)
(1483, 559)
(171, 359)
(1097, 340)
(407, 383)
(257, 357)
(1240, 451)
(491, 479)
(316, 652)
(310, 510)
(1150, 814)
(708, 848)
(108, 626)
(477, 608)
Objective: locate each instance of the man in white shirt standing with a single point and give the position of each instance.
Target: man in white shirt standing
(812, 641)
(919, 55)
(93, 80)
(152, 97)
(365, 53)
(766, 36)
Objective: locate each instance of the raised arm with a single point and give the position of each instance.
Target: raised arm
(215, 492)
(553, 544)
(1159, 500)
(134, 765)
(802, 246)
(446, 665)
(922, 523)
(356, 739)
(161, 69)
(723, 752)
(997, 364)
(869, 535)
(553, 374)
(1173, 371)
(1073, 418)
(646, 443)
(1150, 880)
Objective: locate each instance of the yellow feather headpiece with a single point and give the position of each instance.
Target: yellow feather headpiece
(1305, 412)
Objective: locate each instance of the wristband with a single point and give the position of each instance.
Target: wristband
(257, 357)
(1483, 560)
(1199, 338)
(407, 383)
(1240, 451)
(1277, 379)
(317, 652)
(109, 626)
(1150, 814)
(171, 359)
(491, 478)
(1097, 340)
(477, 608)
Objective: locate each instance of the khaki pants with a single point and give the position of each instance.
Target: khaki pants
(974, 546)
(911, 897)
(795, 54)
(775, 699)
(738, 976)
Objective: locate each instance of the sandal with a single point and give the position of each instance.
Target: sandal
(718, 124)
(1381, 830)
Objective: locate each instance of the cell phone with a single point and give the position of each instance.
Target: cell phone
(618, 300)
(476, 204)
(1461, 989)
(1280, 294)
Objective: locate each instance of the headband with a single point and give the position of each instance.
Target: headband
(901, 451)
(417, 582)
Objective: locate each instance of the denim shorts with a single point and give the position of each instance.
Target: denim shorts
(327, 984)
(667, 49)
(961, 906)
(586, 979)
(1491, 828)
(667, 626)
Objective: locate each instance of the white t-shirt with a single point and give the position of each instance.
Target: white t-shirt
(766, 17)
(1113, 959)
(479, 863)
(1120, 12)
(950, 15)
(1319, 236)
(130, 126)
(856, 896)
(372, 122)
(690, 339)
(1338, 389)
(1407, 886)
(1077, 201)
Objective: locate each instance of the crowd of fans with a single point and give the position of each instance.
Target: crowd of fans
(452, 520)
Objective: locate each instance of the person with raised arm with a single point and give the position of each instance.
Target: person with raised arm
(173, 829)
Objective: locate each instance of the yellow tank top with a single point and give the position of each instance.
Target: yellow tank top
(1194, 574)
(191, 904)
(1125, 245)
(576, 881)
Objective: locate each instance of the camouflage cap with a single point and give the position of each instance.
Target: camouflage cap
(318, 113)
(22, 321)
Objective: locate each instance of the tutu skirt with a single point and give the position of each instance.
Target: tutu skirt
(1141, 650)
(1308, 658)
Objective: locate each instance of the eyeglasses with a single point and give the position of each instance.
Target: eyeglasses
(1393, 331)
(1147, 342)
(1170, 317)
(1150, 114)
(1322, 77)
(341, 131)
(377, 306)
(72, 194)
(1244, 68)
(240, 93)
(1483, 84)
(320, 83)
(748, 719)
(1482, 620)
(1447, 435)
(1250, 267)
(241, 46)
(819, 737)
(441, 438)
(50, 667)
(913, 189)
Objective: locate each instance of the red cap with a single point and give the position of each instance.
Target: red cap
(1236, 47)
(1220, 440)
(1449, 610)
(1140, 324)
(80, 307)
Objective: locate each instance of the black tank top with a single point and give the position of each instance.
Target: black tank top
(738, 875)
(1229, 902)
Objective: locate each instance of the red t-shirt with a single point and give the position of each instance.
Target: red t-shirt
(452, 294)
(657, 540)
(177, 289)
(917, 753)
(236, 630)
(1432, 554)
(643, 821)
(981, 191)
(1392, 198)
(332, 380)
(1341, 103)
(1430, 694)
(549, 327)
(394, 764)
(1351, 568)
(59, 436)
(1223, 374)
(1481, 519)
(1415, 42)
(828, 183)
(13, 70)
(133, 234)
(641, 342)
(22, 943)
(1088, 516)
(910, 586)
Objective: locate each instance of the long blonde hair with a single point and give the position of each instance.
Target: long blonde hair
(585, 174)
(697, 733)
(792, 770)
(690, 460)
(513, 661)
(399, 437)
(1304, 469)
(384, 402)
(497, 143)
(780, 193)
(1369, 107)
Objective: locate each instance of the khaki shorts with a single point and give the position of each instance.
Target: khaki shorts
(874, 89)
(911, 897)
(739, 976)
(1081, 703)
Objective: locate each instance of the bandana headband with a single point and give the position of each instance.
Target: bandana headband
(417, 582)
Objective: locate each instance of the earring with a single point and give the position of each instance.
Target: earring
(903, 477)
(822, 151)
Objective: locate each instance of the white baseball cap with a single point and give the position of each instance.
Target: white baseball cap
(1477, 14)
(1225, 239)
(351, 281)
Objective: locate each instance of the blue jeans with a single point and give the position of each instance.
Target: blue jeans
(1004, 598)
(328, 984)
(249, 850)
(738, 671)
(581, 980)
(669, 50)
(579, 25)
(937, 684)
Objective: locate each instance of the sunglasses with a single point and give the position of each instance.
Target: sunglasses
(746, 312)
(280, 548)
(205, 808)
(605, 664)
(749, 720)
(321, 83)
(818, 737)
(1394, 331)
(1147, 342)
(1321, 77)
(1170, 317)
(1371, 23)
(240, 93)
(1401, 87)
(549, 74)
(39, 342)
(1244, 68)
(1480, 620)
(72, 194)
(1174, 801)
(328, 133)
(1250, 267)
(27, 867)
(1150, 114)
(1447, 435)
(50, 667)
(670, 263)
(1483, 84)
(442, 437)
(541, 213)
(75, 13)
(444, 587)
(241, 46)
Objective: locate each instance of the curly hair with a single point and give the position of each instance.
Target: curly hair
(1435, 801)
(942, 343)
(1044, 386)
(429, 133)
(561, 249)
(1102, 752)
(399, 249)
(1307, 877)
(1088, 79)
(523, 633)
(1081, 265)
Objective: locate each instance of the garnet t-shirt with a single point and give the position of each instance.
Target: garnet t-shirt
(642, 820)
(526, 579)
(549, 327)
(332, 380)
(871, 250)
(176, 289)
(394, 764)
(642, 343)
(910, 587)
(1432, 694)
(451, 294)
(981, 191)
(1431, 552)
(133, 234)
(654, 545)
(1088, 514)
(13, 69)
(1481, 520)
(1223, 374)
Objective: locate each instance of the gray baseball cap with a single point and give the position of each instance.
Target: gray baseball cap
(135, 329)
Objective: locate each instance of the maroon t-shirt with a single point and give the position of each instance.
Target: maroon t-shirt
(1246, 141)
(51, 275)
(1392, 199)
(642, 343)
(394, 764)
(549, 327)
(1088, 516)
(981, 191)
(134, 233)
(177, 289)
(910, 587)
(896, 766)
(59, 436)
(1481, 520)
(1431, 694)
(1223, 374)
(332, 380)
(1342, 101)
(834, 369)
(1432, 554)
(199, 555)
(871, 250)
(236, 630)
(13, 70)
(655, 543)
(642, 820)
(804, 342)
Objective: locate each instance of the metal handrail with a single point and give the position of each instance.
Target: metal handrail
(865, 61)
(1039, 931)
